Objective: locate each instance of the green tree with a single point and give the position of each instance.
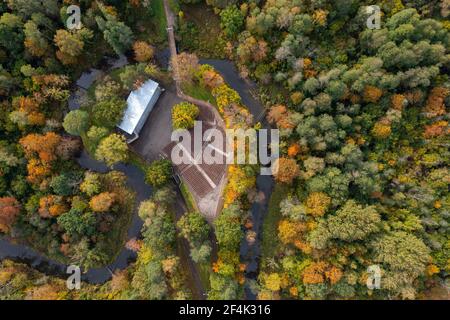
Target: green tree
(403, 257)
(351, 222)
(11, 33)
(159, 173)
(231, 21)
(76, 122)
(201, 254)
(116, 33)
(76, 223)
(228, 228)
(193, 227)
(223, 288)
(65, 184)
(108, 113)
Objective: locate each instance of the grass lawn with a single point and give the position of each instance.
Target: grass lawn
(196, 91)
(159, 21)
(205, 271)
(188, 198)
(270, 243)
(200, 31)
(151, 27)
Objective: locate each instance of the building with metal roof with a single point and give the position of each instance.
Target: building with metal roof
(139, 105)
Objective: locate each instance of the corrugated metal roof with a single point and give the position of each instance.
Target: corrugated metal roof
(137, 102)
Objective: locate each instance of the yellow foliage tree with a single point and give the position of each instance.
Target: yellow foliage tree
(381, 130)
(273, 282)
(289, 231)
(317, 203)
(143, 52)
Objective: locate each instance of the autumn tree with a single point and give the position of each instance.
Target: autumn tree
(112, 149)
(102, 202)
(96, 134)
(185, 65)
(280, 115)
(317, 203)
(159, 173)
(44, 146)
(184, 115)
(435, 105)
(91, 184)
(290, 231)
(52, 206)
(71, 44)
(285, 170)
(143, 52)
(9, 211)
(35, 41)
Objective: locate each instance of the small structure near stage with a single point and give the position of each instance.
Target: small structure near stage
(139, 105)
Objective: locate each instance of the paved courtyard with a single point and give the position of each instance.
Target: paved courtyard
(156, 133)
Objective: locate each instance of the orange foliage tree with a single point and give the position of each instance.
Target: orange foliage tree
(398, 101)
(436, 129)
(38, 171)
(314, 273)
(293, 150)
(286, 170)
(372, 94)
(42, 145)
(280, 115)
(435, 105)
(211, 79)
(9, 210)
(319, 272)
(51, 206)
(102, 202)
(382, 129)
